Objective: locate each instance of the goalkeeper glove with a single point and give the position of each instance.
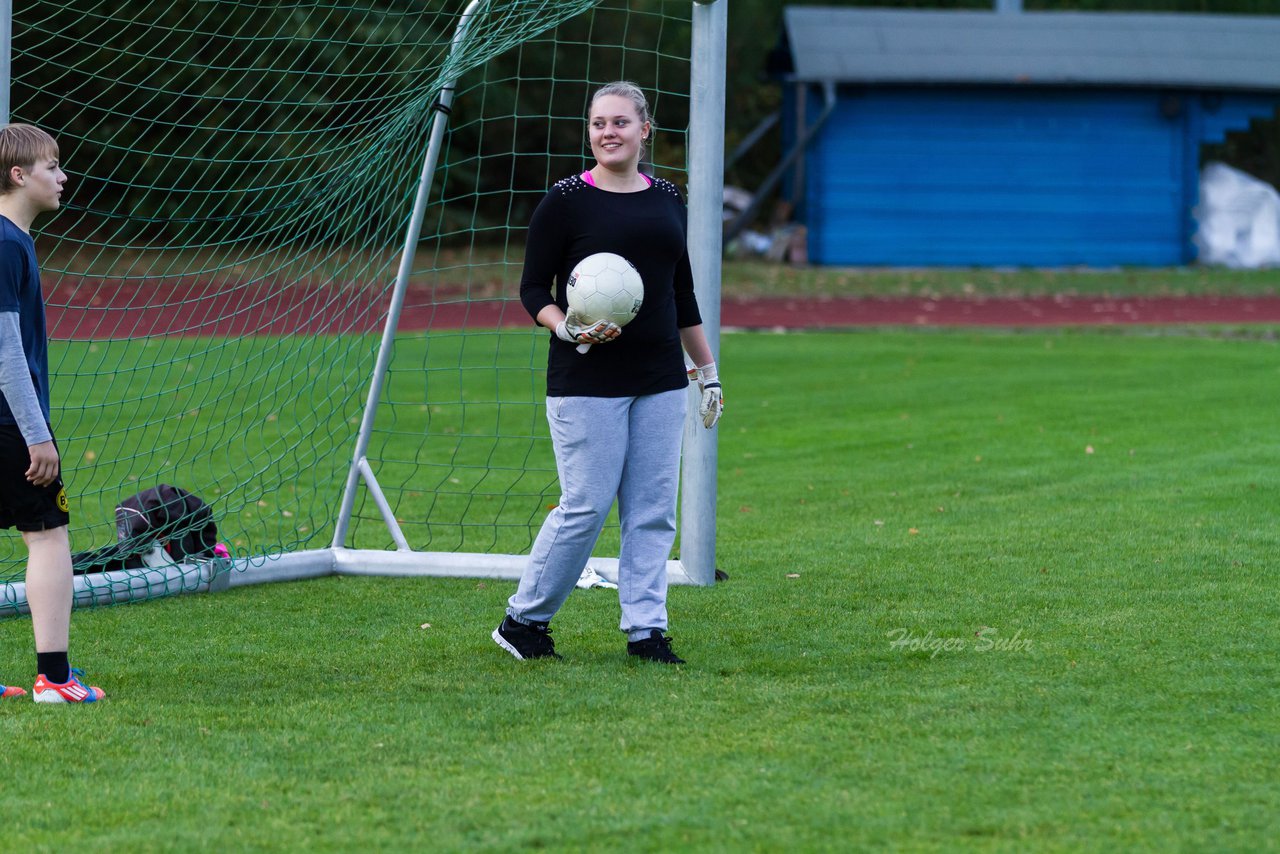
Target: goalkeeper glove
(712, 395)
(575, 331)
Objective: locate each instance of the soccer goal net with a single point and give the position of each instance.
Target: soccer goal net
(239, 227)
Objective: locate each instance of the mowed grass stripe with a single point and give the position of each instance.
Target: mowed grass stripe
(1105, 505)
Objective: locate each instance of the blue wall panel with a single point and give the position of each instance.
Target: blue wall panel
(1034, 177)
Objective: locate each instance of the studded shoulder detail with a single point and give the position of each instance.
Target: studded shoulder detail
(669, 187)
(572, 184)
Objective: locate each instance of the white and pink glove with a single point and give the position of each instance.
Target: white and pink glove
(712, 394)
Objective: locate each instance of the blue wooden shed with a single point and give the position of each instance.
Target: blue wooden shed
(1029, 139)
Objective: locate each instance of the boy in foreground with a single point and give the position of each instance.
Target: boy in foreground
(32, 498)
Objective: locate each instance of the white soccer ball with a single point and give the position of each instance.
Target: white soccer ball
(605, 286)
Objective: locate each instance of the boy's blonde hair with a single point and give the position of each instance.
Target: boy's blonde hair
(23, 145)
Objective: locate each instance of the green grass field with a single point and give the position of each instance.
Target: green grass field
(753, 278)
(988, 591)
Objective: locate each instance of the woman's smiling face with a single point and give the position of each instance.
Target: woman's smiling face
(616, 133)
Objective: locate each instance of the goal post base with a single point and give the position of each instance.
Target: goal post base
(467, 565)
(136, 585)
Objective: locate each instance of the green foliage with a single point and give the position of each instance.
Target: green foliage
(196, 122)
(377, 714)
(204, 117)
(207, 121)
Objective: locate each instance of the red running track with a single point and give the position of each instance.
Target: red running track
(102, 312)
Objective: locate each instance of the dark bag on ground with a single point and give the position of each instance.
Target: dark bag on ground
(165, 515)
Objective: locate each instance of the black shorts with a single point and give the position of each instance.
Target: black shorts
(23, 505)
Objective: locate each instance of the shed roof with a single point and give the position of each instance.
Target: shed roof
(1037, 48)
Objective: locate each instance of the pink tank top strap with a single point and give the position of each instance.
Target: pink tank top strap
(586, 177)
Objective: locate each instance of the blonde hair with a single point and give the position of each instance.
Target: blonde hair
(23, 145)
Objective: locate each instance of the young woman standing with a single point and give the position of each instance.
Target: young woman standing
(616, 411)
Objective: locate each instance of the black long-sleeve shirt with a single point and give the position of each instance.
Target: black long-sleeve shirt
(647, 228)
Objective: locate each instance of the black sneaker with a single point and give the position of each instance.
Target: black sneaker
(656, 647)
(525, 641)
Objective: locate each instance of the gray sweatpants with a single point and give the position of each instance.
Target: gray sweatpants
(609, 447)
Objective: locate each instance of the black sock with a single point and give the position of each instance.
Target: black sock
(54, 666)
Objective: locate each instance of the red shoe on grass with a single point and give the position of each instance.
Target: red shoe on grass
(71, 691)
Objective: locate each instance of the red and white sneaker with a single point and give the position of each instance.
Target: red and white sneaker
(71, 691)
(7, 691)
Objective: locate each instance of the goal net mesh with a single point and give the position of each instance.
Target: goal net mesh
(217, 280)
